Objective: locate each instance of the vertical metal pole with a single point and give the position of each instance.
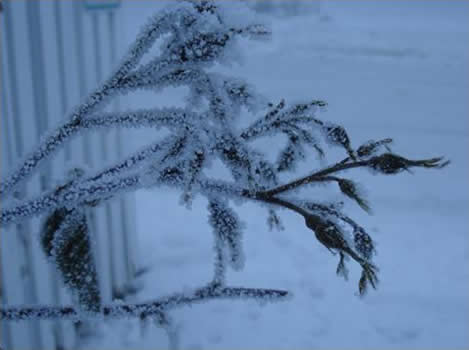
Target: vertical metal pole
(5, 329)
(64, 104)
(41, 111)
(124, 208)
(317, 8)
(80, 50)
(38, 76)
(77, 6)
(107, 207)
(13, 78)
(99, 71)
(58, 329)
(6, 122)
(23, 229)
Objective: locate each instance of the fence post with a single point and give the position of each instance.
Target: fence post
(22, 229)
(123, 203)
(5, 327)
(117, 257)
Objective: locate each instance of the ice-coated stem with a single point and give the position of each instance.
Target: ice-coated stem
(141, 310)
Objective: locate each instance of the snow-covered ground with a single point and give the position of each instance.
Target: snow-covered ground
(387, 69)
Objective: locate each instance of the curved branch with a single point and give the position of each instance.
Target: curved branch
(141, 310)
(99, 187)
(53, 142)
(318, 176)
(50, 144)
(386, 163)
(92, 189)
(85, 191)
(285, 204)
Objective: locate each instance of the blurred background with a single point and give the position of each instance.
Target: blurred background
(396, 69)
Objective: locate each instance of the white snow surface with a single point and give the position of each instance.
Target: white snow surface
(387, 69)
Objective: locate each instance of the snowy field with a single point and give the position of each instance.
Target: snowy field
(387, 69)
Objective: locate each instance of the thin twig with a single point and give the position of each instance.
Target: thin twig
(141, 310)
(74, 195)
(318, 176)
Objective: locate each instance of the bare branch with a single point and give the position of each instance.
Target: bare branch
(317, 176)
(386, 163)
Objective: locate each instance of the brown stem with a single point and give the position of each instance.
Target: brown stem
(284, 203)
(318, 176)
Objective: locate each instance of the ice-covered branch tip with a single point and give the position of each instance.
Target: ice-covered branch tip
(141, 310)
(323, 220)
(92, 189)
(387, 163)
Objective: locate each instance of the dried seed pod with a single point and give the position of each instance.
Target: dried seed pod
(65, 240)
(371, 147)
(389, 163)
(350, 190)
(337, 135)
(363, 243)
(326, 232)
(331, 237)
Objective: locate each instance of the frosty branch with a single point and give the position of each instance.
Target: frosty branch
(148, 309)
(192, 38)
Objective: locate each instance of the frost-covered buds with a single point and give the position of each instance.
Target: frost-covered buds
(350, 190)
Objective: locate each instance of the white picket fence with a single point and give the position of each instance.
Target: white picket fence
(52, 54)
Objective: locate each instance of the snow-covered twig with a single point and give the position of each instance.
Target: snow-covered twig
(156, 27)
(141, 310)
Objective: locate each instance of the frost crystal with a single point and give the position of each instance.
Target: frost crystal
(228, 230)
(194, 37)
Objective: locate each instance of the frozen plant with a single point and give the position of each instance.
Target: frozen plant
(193, 36)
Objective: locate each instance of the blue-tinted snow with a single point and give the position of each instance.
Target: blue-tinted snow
(386, 69)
